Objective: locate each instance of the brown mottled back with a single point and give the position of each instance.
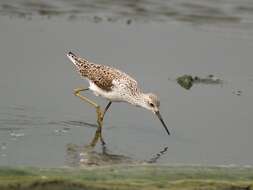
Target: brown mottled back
(99, 74)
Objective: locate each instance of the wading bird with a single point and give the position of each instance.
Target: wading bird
(115, 86)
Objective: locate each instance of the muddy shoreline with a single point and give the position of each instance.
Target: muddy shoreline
(128, 177)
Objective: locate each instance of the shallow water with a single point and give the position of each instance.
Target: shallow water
(40, 118)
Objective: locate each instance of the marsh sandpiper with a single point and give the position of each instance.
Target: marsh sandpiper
(115, 86)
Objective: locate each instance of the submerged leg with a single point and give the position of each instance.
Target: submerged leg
(98, 132)
(100, 115)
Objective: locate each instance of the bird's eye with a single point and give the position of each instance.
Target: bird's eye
(151, 104)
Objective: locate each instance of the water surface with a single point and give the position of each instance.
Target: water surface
(40, 118)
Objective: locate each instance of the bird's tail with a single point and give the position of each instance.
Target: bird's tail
(78, 61)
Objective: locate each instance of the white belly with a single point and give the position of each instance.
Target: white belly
(110, 95)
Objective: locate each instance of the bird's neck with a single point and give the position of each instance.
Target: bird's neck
(140, 100)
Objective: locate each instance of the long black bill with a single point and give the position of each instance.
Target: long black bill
(161, 119)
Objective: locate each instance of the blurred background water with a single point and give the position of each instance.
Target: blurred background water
(43, 124)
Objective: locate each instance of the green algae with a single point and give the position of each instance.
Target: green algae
(127, 177)
(187, 81)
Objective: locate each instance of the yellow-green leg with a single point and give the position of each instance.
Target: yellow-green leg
(98, 133)
(100, 115)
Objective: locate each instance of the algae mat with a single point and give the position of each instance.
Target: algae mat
(127, 177)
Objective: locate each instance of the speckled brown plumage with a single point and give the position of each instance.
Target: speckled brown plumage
(99, 75)
(102, 75)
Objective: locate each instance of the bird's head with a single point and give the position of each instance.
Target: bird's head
(152, 103)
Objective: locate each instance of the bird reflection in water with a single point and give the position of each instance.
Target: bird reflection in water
(87, 155)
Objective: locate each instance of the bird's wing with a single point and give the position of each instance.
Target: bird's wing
(107, 78)
(100, 75)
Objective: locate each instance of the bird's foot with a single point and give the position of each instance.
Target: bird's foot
(102, 140)
(78, 90)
